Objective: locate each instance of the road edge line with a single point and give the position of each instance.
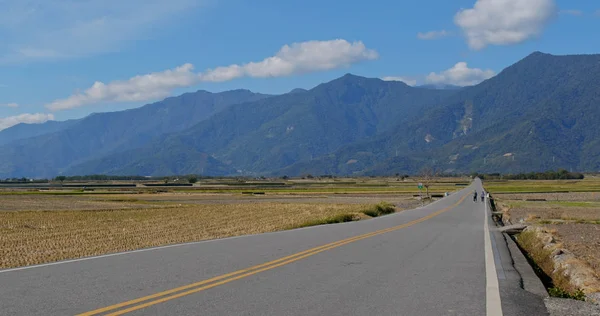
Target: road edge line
(493, 303)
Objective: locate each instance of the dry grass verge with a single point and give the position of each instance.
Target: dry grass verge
(382, 208)
(566, 276)
(563, 238)
(33, 237)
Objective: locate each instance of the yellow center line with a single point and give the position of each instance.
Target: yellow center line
(236, 275)
(145, 298)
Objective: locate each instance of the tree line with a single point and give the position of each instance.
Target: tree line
(561, 174)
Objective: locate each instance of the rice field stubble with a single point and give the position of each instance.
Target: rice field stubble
(40, 229)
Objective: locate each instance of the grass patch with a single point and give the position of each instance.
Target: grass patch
(383, 208)
(340, 218)
(575, 204)
(371, 212)
(556, 282)
(558, 292)
(542, 186)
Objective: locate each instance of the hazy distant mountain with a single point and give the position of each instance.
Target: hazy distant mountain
(102, 133)
(24, 130)
(298, 90)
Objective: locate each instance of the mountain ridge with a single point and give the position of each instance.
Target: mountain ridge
(536, 114)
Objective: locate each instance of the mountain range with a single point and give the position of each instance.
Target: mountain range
(538, 114)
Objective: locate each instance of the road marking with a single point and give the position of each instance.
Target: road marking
(236, 275)
(493, 304)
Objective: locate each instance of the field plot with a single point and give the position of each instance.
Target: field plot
(44, 202)
(31, 237)
(39, 226)
(543, 186)
(562, 208)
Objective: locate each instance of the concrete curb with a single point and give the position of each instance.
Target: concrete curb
(530, 281)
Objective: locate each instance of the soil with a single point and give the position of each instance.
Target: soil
(583, 240)
(572, 196)
(519, 214)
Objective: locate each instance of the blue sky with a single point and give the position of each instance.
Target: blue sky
(62, 59)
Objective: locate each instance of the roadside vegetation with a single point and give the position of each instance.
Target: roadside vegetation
(568, 214)
(383, 208)
(557, 283)
(39, 227)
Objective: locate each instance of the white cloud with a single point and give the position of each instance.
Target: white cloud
(47, 30)
(295, 59)
(572, 12)
(139, 88)
(291, 59)
(433, 35)
(408, 81)
(504, 22)
(460, 75)
(10, 105)
(25, 118)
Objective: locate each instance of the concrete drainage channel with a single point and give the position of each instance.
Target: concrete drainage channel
(536, 281)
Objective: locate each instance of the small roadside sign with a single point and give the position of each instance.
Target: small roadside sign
(420, 185)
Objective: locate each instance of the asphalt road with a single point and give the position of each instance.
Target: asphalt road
(427, 261)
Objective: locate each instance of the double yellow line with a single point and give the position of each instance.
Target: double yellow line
(143, 302)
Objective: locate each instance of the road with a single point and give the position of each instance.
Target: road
(436, 260)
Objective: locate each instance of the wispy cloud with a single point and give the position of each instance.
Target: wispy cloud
(139, 88)
(504, 22)
(571, 12)
(408, 81)
(297, 58)
(42, 30)
(291, 59)
(10, 105)
(460, 75)
(24, 118)
(432, 35)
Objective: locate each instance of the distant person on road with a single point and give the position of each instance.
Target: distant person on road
(474, 196)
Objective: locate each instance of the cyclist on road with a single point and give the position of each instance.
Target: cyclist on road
(482, 196)
(474, 196)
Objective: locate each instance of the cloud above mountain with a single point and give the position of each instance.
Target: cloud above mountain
(139, 88)
(25, 118)
(408, 81)
(460, 75)
(504, 22)
(10, 105)
(296, 58)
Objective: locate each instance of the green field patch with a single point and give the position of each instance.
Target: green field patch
(575, 203)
